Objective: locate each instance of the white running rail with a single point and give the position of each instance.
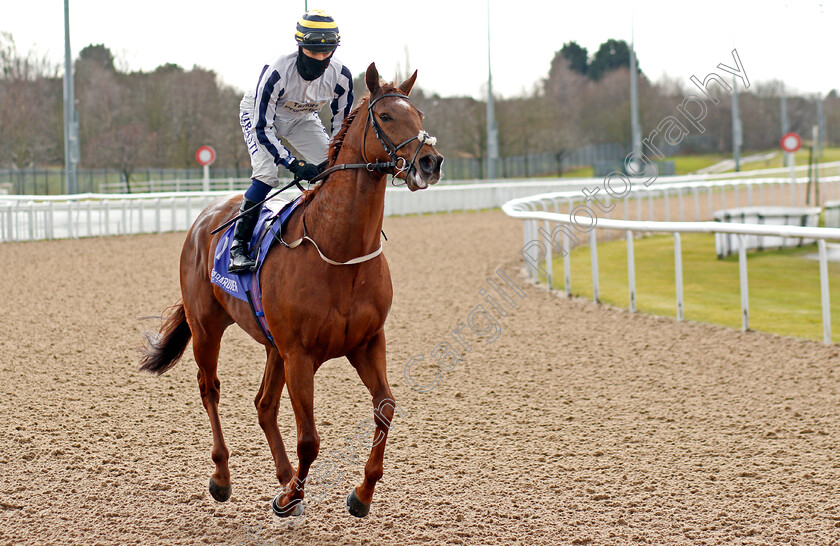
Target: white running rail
(30, 217)
(541, 236)
(91, 215)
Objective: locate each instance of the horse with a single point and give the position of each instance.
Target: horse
(325, 298)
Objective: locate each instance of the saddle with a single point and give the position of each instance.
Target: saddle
(246, 285)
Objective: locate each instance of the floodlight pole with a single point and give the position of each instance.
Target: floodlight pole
(820, 125)
(784, 112)
(785, 128)
(636, 132)
(737, 135)
(492, 136)
(71, 122)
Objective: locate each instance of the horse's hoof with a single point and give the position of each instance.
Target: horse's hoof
(293, 509)
(355, 506)
(221, 494)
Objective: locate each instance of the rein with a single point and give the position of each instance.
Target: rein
(397, 163)
(351, 261)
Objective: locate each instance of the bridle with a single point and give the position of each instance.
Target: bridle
(397, 163)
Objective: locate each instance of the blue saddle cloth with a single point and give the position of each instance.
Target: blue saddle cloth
(269, 227)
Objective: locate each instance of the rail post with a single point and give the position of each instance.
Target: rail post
(567, 266)
(631, 270)
(549, 269)
(678, 274)
(51, 220)
(826, 301)
(593, 253)
(745, 290)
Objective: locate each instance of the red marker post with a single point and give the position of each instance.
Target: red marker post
(205, 156)
(790, 143)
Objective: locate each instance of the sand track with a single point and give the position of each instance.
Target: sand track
(577, 424)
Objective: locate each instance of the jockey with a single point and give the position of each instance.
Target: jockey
(283, 111)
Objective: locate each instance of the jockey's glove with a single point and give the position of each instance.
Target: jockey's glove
(303, 170)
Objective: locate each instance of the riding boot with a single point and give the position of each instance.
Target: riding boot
(240, 260)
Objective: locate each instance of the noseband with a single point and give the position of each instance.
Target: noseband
(397, 163)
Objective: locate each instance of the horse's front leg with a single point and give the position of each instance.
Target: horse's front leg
(267, 402)
(369, 362)
(300, 382)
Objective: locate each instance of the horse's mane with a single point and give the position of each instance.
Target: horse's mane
(338, 139)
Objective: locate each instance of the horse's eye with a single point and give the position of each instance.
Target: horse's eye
(384, 117)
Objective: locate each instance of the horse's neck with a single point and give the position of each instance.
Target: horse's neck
(348, 210)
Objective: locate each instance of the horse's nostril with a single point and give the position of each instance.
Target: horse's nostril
(427, 164)
(430, 163)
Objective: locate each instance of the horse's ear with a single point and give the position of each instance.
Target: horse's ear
(372, 78)
(406, 86)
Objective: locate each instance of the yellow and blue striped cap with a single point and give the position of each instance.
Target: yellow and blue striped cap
(317, 31)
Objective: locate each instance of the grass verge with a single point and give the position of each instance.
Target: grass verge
(784, 286)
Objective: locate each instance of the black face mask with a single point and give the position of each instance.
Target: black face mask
(309, 68)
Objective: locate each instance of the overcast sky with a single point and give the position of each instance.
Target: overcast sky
(795, 41)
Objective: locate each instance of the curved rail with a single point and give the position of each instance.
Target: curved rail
(540, 242)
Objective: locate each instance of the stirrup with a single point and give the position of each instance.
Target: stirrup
(243, 268)
(246, 263)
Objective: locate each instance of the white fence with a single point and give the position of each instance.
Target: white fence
(179, 185)
(541, 212)
(89, 215)
(27, 217)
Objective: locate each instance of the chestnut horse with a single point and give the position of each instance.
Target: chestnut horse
(315, 309)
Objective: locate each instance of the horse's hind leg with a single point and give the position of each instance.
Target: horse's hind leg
(267, 402)
(206, 342)
(369, 362)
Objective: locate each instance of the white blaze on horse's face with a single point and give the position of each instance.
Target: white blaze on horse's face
(404, 103)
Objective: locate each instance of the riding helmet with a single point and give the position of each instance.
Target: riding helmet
(317, 31)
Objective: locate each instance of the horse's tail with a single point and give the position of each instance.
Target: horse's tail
(164, 349)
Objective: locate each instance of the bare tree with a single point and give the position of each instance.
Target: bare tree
(564, 92)
(226, 133)
(131, 120)
(30, 111)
